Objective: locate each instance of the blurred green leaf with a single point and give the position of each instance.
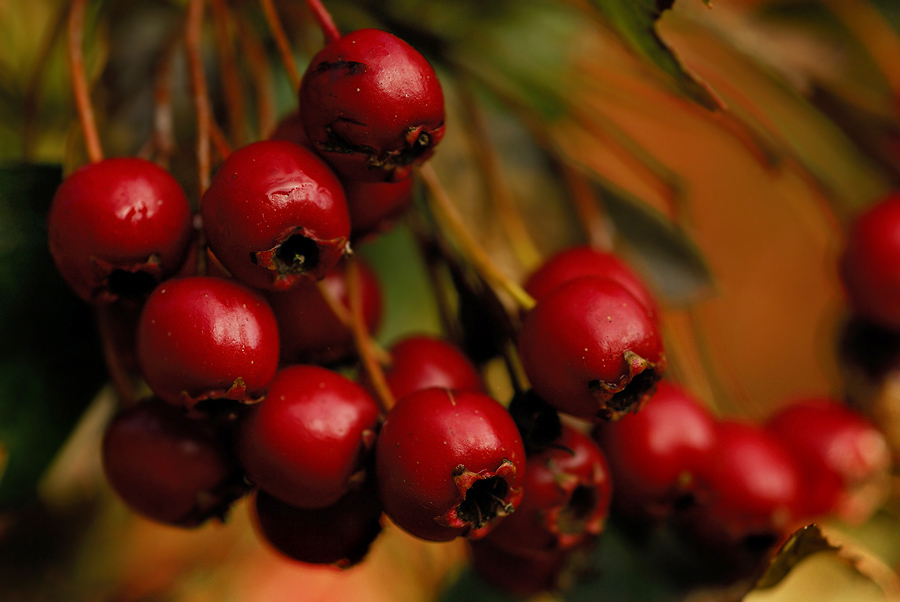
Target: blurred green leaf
(51, 363)
(634, 21)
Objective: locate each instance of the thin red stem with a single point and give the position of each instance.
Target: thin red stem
(80, 87)
(281, 40)
(193, 34)
(262, 77)
(326, 23)
(230, 74)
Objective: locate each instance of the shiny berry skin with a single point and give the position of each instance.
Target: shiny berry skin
(422, 362)
(307, 442)
(449, 464)
(168, 467)
(657, 454)
(275, 215)
(309, 328)
(754, 483)
(869, 266)
(843, 457)
(372, 106)
(338, 535)
(579, 261)
(566, 501)
(375, 206)
(205, 338)
(591, 349)
(117, 228)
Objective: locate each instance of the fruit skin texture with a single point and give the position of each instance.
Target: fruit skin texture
(438, 449)
(120, 215)
(275, 215)
(869, 266)
(422, 362)
(310, 330)
(591, 349)
(207, 338)
(657, 454)
(844, 458)
(309, 439)
(578, 261)
(338, 535)
(568, 490)
(168, 467)
(372, 106)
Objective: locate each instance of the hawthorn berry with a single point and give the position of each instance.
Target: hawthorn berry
(591, 349)
(117, 228)
(339, 534)
(657, 454)
(375, 206)
(843, 457)
(575, 262)
(449, 464)
(205, 338)
(310, 329)
(310, 438)
(567, 493)
(372, 106)
(275, 215)
(169, 467)
(422, 362)
(869, 265)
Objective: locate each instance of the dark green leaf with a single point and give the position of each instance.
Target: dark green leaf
(635, 22)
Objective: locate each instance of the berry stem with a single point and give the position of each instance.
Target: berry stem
(326, 23)
(281, 40)
(384, 396)
(498, 190)
(80, 86)
(262, 75)
(228, 68)
(346, 318)
(193, 33)
(474, 252)
(162, 140)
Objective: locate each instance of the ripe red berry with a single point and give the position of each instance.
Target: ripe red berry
(869, 266)
(372, 106)
(843, 457)
(117, 228)
(754, 484)
(207, 338)
(566, 500)
(422, 362)
(307, 442)
(591, 349)
(449, 464)
(310, 329)
(275, 215)
(579, 261)
(338, 535)
(168, 467)
(657, 454)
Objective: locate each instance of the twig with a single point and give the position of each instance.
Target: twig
(281, 40)
(80, 86)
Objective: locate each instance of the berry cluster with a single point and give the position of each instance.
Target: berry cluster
(250, 324)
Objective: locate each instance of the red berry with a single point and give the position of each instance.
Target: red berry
(449, 464)
(576, 262)
(372, 106)
(657, 454)
(309, 328)
(307, 442)
(275, 215)
(843, 457)
(422, 362)
(754, 483)
(117, 228)
(591, 349)
(566, 500)
(207, 338)
(869, 266)
(375, 206)
(339, 534)
(168, 467)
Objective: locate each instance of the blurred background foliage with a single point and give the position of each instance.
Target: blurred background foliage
(721, 147)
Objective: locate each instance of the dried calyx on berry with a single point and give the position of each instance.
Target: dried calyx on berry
(372, 106)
